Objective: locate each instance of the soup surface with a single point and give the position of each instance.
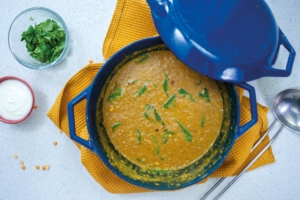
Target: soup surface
(160, 114)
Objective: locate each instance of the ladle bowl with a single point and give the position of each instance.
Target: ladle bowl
(286, 108)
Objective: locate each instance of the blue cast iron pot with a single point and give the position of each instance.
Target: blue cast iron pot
(149, 178)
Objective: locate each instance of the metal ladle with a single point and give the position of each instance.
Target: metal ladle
(286, 108)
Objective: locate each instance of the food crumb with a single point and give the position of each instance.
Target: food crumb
(16, 156)
(55, 143)
(60, 130)
(47, 167)
(91, 61)
(111, 109)
(23, 167)
(21, 162)
(37, 167)
(35, 106)
(43, 167)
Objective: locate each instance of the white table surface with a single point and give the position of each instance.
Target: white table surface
(32, 139)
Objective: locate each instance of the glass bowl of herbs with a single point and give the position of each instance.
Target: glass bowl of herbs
(38, 38)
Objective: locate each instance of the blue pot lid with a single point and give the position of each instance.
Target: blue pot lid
(228, 40)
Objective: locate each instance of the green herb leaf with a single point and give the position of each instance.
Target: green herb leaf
(185, 93)
(166, 136)
(199, 82)
(165, 85)
(158, 118)
(139, 136)
(169, 101)
(142, 90)
(188, 135)
(138, 159)
(134, 82)
(157, 150)
(161, 158)
(44, 41)
(142, 58)
(31, 19)
(205, 95)
(47, 26)
(202, 121)
(116, 93)
(148, 108)
(116, 125)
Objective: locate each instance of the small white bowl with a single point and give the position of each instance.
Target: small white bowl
(10, 121)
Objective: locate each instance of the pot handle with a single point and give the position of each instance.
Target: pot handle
(287, 71)
(86, 143)
(253, 109)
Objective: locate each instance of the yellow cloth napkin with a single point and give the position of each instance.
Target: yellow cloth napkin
(132, 21)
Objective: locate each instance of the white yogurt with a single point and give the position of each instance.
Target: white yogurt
(15, 99)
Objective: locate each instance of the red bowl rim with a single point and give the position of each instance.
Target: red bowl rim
(32, 94)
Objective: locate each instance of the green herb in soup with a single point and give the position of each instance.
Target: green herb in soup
(204, 95)
(142, 58)
(139, 136)
(184, 93)
(165, 85)
(116, 125)
(142, 90)
(188, 135)
(116, 93)
(170, 101)
(157, 149)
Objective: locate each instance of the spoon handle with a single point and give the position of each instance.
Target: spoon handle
(249, 165)
(255, 145)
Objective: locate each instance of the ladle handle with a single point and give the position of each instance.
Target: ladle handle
(72, 129)
(253, 109)
(287, 71)
(250, 164)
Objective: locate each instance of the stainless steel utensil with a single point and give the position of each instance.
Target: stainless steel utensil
(286, 108)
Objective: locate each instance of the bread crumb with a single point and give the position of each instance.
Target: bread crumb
(21, 162)
(43, 167)
(60, 131)
(47, 167)
(55, 143)
(35, 106)
(23, 167)
(37, 167)
(16, 156)
(91, 61)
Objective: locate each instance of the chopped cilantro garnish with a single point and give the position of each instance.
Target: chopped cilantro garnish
(44, 41)
(116, 125)
(142, 58)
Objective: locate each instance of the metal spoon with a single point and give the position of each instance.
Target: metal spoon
(286, 108)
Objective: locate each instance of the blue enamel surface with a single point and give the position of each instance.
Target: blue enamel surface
(228, 40)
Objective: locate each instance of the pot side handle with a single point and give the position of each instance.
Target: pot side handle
(71, 118)
(253, 109)
(288, 70)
